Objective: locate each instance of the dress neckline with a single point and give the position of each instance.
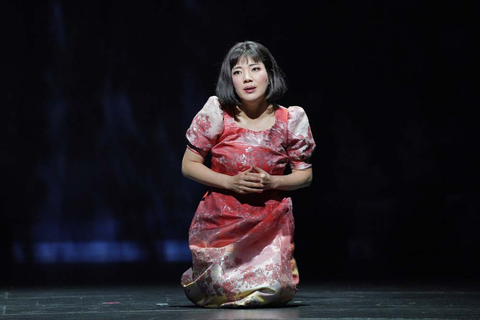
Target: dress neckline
(262, 130)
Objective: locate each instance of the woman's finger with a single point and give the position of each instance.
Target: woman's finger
(252, 177)
(257, 176)
(260, 170)
(251, 190)
(255, 185)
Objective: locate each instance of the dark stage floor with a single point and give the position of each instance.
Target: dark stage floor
(320, 301)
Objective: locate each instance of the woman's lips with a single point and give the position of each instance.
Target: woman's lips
(250, 89)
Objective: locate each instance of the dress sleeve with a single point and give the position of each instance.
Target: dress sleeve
(206, 127)
(300, 139)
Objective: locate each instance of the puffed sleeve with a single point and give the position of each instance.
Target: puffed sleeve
(300, 139)
(206, 127)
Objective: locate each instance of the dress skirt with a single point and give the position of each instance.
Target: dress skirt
(242, 252)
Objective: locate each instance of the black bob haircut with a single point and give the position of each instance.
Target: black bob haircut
(225, 90)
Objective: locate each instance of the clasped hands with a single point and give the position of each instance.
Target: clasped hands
(253, 180)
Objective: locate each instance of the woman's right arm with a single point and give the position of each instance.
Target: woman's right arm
(193, 167)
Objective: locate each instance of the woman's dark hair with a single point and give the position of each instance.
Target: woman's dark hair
(225, 90)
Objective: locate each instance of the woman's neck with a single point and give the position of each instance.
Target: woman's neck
(253, 110)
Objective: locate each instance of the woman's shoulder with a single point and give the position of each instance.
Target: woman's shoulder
(296, 110)
(213, 105)
(298, 122)
(208, 121)
(296, 114)
(291, 113)
(291, 109)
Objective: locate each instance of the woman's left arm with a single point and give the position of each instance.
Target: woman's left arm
(295, 180)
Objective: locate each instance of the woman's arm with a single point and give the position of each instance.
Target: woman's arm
(193, 168)
(295, 180)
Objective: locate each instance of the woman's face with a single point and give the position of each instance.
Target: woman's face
(250, 80)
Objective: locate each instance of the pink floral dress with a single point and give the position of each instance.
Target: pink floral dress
(242, 245)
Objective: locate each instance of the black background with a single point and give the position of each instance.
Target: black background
(98, 96)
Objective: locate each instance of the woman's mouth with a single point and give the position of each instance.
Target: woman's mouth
(249, 89)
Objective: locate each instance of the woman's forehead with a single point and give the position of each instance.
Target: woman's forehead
(247, 60)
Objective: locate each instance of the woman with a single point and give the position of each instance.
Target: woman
(241, 236)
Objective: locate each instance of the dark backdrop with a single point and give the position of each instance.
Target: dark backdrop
(98, 96)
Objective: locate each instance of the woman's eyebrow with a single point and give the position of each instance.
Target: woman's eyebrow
(251, 64)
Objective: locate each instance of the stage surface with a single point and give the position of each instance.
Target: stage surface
(313, 301)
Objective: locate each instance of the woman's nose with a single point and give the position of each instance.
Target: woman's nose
(247, 77)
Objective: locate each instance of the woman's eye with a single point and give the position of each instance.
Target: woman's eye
(256, 69)
(236, 72)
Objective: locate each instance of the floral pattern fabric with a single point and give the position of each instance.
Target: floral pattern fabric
(242, 245)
